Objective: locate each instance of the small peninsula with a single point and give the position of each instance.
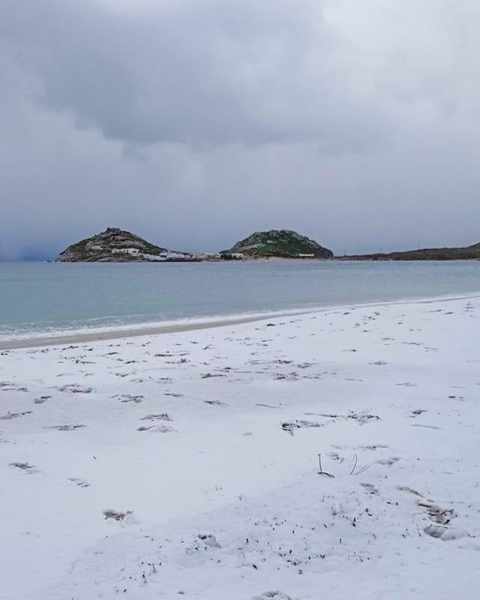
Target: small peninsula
(116, 245)
(460, 253)
(277, 244)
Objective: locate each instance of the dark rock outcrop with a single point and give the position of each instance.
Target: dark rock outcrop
(116, 245)
(278, 243)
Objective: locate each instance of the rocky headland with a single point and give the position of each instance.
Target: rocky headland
(277, 243)
(116, 245)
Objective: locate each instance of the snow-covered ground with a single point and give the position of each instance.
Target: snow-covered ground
(186, 465)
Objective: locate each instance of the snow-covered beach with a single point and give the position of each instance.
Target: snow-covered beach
(186, 465)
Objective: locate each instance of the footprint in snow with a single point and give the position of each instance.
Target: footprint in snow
(65, 427)
(24, 466)
(444, 533)
(156, 428)
(14, 415)
(42, 399)
(272, 596)
(126, 398)
(370, 488)
(157, 417)
(215, 403)
(76, 389)
(79, 482)
(116, 515)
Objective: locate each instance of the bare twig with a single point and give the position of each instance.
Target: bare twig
(321, 471)
(355, 461)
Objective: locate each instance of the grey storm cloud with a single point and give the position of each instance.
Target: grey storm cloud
(191, 72)
(193, 122)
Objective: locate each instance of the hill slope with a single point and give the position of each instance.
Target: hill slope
(116, 245)
(279, 243)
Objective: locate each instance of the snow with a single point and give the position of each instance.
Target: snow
(155, 257)
(164, 256)
(131, 251)
(187, 464)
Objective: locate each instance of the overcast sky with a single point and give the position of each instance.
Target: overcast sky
(196, 122)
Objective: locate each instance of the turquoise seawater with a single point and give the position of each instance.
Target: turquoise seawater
(45, 297)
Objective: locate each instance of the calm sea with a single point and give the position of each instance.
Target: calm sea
(38, 298)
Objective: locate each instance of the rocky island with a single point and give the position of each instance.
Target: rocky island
(277, 243)
(116, 245)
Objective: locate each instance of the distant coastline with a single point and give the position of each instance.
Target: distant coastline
(454, 253)
(117, 245)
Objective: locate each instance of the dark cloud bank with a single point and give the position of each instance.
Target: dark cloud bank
(195, 122)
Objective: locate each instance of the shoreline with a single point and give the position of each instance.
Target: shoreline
(120, 334)
(195, 324)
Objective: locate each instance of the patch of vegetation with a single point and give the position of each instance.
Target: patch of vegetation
(279, 243)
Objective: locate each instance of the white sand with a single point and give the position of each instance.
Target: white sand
(216, 432)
